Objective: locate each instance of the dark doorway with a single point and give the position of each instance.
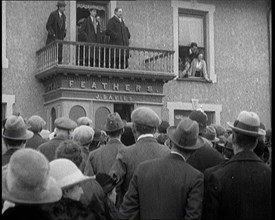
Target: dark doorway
(124, 110)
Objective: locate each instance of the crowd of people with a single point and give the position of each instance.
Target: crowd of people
(143, 169)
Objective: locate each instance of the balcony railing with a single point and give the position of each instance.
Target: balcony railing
(104, 56)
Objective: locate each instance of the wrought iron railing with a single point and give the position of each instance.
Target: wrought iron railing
(104, 56)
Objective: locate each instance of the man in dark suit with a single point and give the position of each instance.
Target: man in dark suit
(119, 35)
(103, 158)
(168, 188)
(88, 32)
(145, 123)
(241, 187)
(14, 136)
(64, 127)
(56, 27)
(206, 156)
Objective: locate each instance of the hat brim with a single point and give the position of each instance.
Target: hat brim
(215, 140)
(122, 125)
(170, 132)
(52, 194)
(81, 180)
(26, 136)
(260, 132)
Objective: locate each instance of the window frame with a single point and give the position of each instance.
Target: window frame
(198, 8)
(9, 100)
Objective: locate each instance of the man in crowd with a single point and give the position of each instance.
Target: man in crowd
(14, 136)
(119, 35)
(241, 187)
(56, 27)
(84, 121)
(193, 51)
(64, 128)
(145, 124)
(168, 188)
(206, 156)
(102, 159)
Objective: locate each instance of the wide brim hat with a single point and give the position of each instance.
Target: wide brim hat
(185, 135)
(26, 180)
(247, 123)
(15, 129)
(114, 122)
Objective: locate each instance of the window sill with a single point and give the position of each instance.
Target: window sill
(193, 79)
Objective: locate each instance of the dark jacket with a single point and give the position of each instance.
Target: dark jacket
(166, 188)
(26, 212)
(49, 148)
(87, 31)
(128, 159)
(56, 27)
(118, 32)
(238, 189)
(35, 141)
(103, 158)
(205, 157)
(7, 155)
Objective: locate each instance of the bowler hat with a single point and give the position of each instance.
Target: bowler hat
(200, 117)
(186, 134)
(65, 123)
(15, 129)
(210, 134)
(114, 122)
(83, 134)
(145, 116)
(35, 123)
(84, 121)
(66, 173)
(163, 127)
(26, 179)
(61, 3)
(247, 123)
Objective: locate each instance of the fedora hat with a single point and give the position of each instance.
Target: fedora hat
(15, 129)
(247, 123)
(61, 3)
(66, 173)
(26, 179)
(65, 123)
(84, 121)
(114, 122)
(199, 116)
(145, 116)
(35, 123)
(210, 134)
(83, 134)
(186, 134)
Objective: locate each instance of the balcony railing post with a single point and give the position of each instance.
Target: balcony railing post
(124, 58)
(99, 56)
(94, 55)
(104, 56)
(109, 60)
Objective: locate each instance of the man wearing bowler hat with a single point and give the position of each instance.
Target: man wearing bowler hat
(64, 128)
(102, 159)
(145, 124)
(241, 187)
(206, 156)
(14, 136)
(56, 27)
(168, 187)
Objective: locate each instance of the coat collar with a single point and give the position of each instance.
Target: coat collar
(114, 141)
(245, 156)
(146, 139)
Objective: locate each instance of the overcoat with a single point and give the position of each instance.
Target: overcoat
(35, 141)
(87, 31)
(128, 159)
(164, 188)
(7, 155)
(238, 189)
(103, 158)
(56, 25)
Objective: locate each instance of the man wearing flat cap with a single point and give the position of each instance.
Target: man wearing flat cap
(56, 27)
(241, 187)
(64, 128)
(14, 136)
(35, 124)
(168, 187)
(103, 158)
(206, 156)
(145, 123)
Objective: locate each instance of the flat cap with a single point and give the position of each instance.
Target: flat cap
(65, 123)
(145, 116)
(84, 121)
(83, 134)
(35, 123)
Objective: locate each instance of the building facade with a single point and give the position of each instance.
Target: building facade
(234, 35)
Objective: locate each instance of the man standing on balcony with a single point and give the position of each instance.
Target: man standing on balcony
(119, 35)
(88, 32)
(56, 27)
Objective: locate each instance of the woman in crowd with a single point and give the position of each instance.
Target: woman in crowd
(198, 67)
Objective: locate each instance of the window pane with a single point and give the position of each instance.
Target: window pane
(191, 30)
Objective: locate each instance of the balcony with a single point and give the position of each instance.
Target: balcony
(99, 60)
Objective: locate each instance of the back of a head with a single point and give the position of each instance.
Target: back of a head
(127, 137)
(83, 135)
(201, 118)
(163, 127)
